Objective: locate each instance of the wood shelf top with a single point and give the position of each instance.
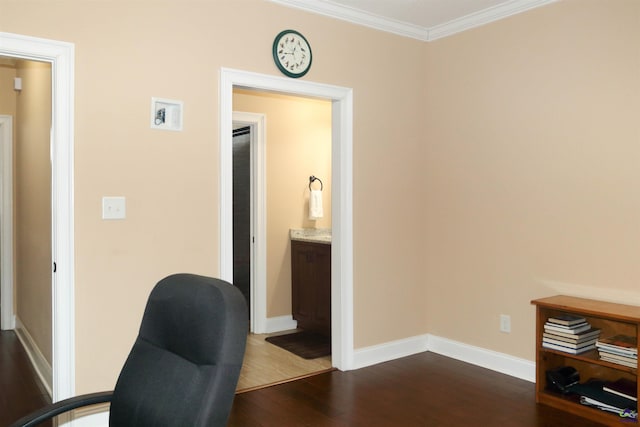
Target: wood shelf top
(611, 310)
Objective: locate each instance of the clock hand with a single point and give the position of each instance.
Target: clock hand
(282, 52)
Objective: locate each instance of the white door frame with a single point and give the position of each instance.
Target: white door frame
(61, 57)
(258, 299)
(8, 320)
(341, 199)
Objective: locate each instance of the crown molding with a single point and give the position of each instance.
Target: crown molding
(483, 17)
(359, 17)
(356, 16)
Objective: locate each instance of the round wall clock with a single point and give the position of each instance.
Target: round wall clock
(292, 53)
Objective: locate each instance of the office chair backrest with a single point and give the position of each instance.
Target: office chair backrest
(184, 366)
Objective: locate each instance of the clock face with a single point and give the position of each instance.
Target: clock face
(292, 53)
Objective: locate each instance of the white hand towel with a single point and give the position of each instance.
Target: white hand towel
(315, 204)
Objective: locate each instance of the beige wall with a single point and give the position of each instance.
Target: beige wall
(170, 179)
(298, 145)
(531, 168)
(32, 209)
(489, 168)
(7, 94)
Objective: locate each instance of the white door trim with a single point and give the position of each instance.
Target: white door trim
(258, 309)
(342, 200)
(8, 320)
(61, 57)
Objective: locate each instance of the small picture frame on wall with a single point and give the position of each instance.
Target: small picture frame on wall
(166, 114)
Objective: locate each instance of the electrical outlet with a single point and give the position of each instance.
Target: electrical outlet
(505, 323)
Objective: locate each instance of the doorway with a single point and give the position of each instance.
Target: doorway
(242, 211)
(342, 240)
(60, 55)
(255, 224)
(28, 229)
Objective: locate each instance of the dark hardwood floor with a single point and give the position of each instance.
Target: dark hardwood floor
(20, 390)
(421, 390)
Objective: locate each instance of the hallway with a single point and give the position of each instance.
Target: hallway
(22, 392)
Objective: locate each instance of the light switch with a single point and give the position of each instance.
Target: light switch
(113, 208)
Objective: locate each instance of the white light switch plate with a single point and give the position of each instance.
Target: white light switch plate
(505, 323)
(113, 208)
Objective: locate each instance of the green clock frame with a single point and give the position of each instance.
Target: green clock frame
(277, 54)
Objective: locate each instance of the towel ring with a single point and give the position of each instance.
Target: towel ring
(313, 178)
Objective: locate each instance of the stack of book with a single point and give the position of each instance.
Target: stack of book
(620, 349)
(570, 334)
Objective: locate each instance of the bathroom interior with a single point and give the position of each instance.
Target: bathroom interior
(297, 153)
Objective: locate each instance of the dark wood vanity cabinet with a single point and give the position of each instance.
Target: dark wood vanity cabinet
(311, 285)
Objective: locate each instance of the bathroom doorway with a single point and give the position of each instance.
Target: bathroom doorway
(299, 145)
(341, 202)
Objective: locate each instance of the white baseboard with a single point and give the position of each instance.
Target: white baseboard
(93, 416)
(281, 323)
(389, 351)
(39, 362)
(499, 362)
(11, 324)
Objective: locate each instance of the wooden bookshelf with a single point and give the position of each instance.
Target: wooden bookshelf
(611, 319)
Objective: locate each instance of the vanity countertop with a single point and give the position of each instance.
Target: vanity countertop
(315, 235)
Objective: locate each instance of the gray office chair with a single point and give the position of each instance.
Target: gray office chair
(184, 366)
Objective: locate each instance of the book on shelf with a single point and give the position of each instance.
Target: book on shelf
(630, 364)
(619, 349)
(623, 387)
(591, 335)
(620, 360)
(575, 329)
(570, 344)
(568, 349)
(616, 351)
(623, 344)
(618, 356)
(567, 319)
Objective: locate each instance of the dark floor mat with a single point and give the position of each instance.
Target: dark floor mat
(308, 345)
